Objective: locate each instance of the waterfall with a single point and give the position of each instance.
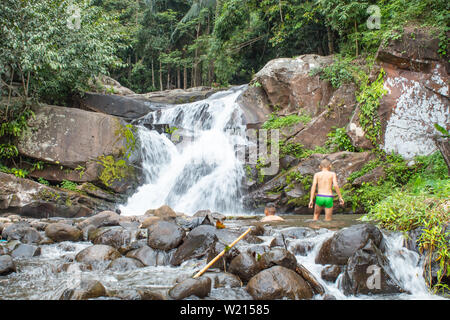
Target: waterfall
(204, 170)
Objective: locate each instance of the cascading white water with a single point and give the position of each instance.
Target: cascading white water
(405, 264)
(204, 170)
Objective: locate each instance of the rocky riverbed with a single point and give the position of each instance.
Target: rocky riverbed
(154, 256)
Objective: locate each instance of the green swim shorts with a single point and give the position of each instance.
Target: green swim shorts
(324, 201)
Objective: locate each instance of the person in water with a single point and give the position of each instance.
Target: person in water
(270, 216)
(324, 181)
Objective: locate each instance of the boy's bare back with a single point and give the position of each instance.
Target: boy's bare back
(325, 180)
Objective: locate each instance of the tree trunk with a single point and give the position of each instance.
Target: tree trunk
(444, 147)
(281, 11)
(330, 40)
(356, 39)
(168, 77)
(153, 75)
(185, 80)
(178, 78)
(160, 76)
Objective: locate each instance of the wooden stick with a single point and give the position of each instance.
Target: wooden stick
(222, 253)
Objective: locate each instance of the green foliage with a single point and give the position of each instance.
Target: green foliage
(276, 122)
(369, 101)
(339, 72)
(338, 140)
(69, 185)
(127, 132)
(52, 58)
(113, 170)
(20, 173)
(405, 211)
(442, 130)
(43, 181)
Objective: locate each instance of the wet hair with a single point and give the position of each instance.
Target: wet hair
(325, 163)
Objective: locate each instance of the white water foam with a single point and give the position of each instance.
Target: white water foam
(203, 171)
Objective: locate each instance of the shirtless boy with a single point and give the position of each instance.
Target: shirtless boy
(324, 181)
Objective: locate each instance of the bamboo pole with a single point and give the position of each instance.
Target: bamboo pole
(222, 253)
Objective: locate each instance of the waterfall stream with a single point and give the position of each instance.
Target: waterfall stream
(203, 171)
(39, 279)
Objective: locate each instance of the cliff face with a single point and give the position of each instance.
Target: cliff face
(416, 82)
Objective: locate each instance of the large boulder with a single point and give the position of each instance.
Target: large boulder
(289, 85)
(29, 198)
(102, 219)
(176, 96)
(7, 265)
(117, 237)
(125, 264)
(368, 272)
(200, 287)
(417, 85)
(164, 235)
(278, 283)
(345, 242)
(337, 113)
(150, 257)
(26, 251)
(75, 140)
(87, 289)
(21, 231)
(194, 246)
(97, 254)
(71, 137)
(59, 232)
(244, 266)
(254, 104)
(278, 257)
(116, 105)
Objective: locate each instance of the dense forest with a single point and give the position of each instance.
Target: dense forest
(53, 48)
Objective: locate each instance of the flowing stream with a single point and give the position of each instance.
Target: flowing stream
(40, 278)
(203, 171)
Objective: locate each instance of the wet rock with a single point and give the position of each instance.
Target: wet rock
(21, 231)
(43, 201)
(149, 256)
(278, 257)
(147, 294)
(224, 262)
(244, 266)
(26, 251)
(73, 267)
(368, 272)
(164, 212)
(39, 225)
(7, 265)
(297, 232)
(300, 247)
(194, 246)
(124, 264)
(59, 232)
(310, 279)
(345, 242)
(165, 235)
(331, 273)
(224, 279)
(277, 283)
(147, 222)
(329, 297)
(87, 289)
(97, 254)
(200, 287)
(102, 219)
(116, 237)
(127, 294)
